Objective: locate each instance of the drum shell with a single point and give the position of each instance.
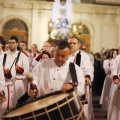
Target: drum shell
(65, 108)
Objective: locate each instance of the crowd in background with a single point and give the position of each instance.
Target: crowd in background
(101, 61)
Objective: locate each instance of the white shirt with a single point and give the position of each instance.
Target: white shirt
(115, 68)
(85, 64)
(8, 65)
(22, 62)
(106, 66)
(2, 80)
(50, 78)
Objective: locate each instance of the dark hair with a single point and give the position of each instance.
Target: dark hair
(98, 55)
(79, 41)
(15, 38)
(23, 42)
(2, 40)
(62, 44)
(113, 52)
(107, 54)
(47, 53)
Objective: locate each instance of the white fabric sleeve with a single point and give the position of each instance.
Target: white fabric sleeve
(2, 80)
(115, 69)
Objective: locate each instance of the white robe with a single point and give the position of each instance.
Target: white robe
(8, 88)
(114, 111)
(87, 69)
(49, 77)
(107, 84)
(2, 84)
(20, 85)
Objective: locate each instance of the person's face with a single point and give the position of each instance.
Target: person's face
(95, 57)
(12, 44)
(74, 44)
(61, 56)
(34, 48)
(111, 53)
(6, 48)
(45, 56)
(46, 46)
(114, 54)
(23, 46)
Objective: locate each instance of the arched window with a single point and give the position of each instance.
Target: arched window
(15, 27)
(18, 24)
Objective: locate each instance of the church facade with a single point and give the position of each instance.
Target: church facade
(29, 20)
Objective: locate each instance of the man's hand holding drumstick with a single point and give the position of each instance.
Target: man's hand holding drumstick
(2, 97)
(32, 88)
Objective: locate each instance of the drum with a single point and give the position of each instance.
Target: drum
(60, 106)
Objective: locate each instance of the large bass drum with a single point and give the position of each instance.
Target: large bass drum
(58, 106)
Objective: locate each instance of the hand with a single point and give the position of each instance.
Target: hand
(2, 98)
(87, 81)
(6, 71)
(67, 87)
(17, 67)
(32, 93)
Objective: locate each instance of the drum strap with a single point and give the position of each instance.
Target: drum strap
(73, 74)
(17, 59)
(4, 59)
(78, 58)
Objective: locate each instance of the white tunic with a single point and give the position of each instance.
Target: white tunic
(49, 77)
(8, 88)
(2, 80)
(31, 58)
(87, 69)
(85, 64)
(107, 84)
(2, 85)
(35, 62)
(114, 110)
(20, 85)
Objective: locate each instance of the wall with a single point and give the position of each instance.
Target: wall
(102, 21)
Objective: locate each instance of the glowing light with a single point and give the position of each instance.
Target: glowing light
(50, 24)
(57, 21)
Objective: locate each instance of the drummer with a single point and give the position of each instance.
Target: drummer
(53, 74)
(9, 76)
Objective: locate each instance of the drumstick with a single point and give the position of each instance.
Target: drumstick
(25, 97)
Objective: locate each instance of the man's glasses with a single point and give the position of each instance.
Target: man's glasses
(11, 43)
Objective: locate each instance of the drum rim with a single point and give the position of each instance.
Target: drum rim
(34, 100)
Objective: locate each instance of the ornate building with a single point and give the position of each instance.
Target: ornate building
(96, 24)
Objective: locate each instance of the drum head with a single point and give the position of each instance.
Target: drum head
(36, 105)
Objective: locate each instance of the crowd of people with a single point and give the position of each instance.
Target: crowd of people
(98, 73)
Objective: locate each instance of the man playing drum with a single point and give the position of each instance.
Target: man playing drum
(54, 75)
